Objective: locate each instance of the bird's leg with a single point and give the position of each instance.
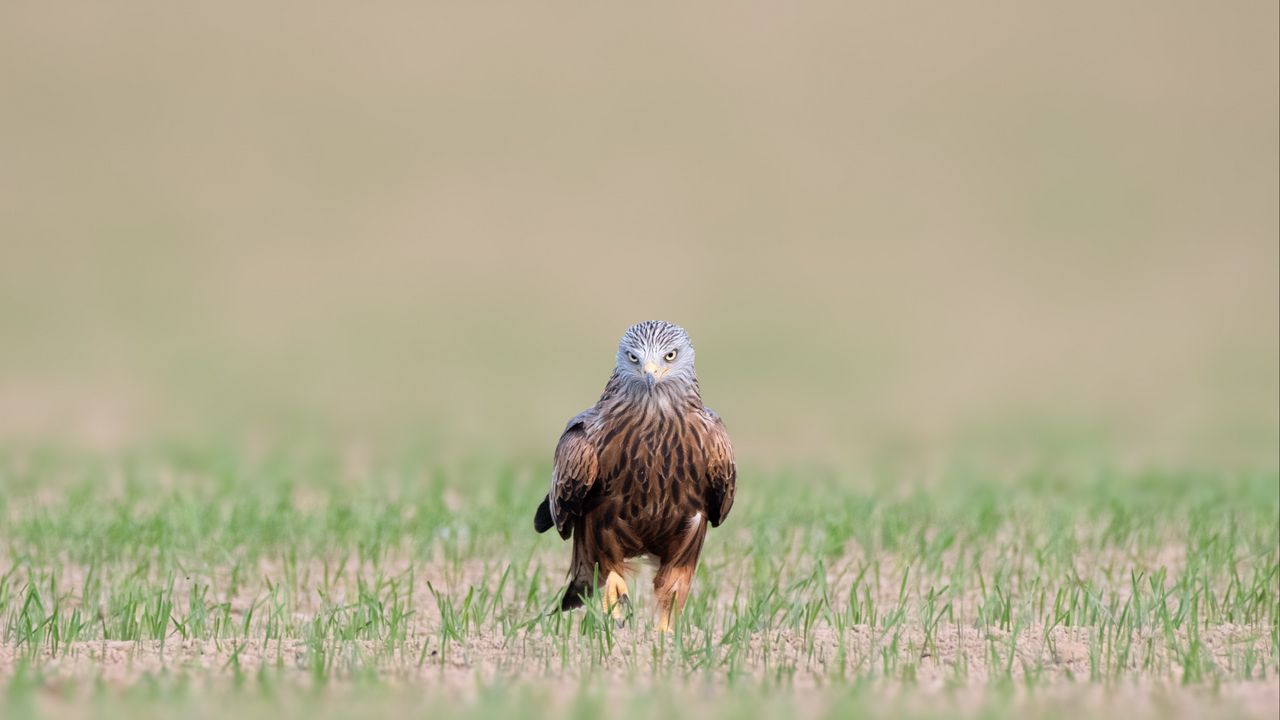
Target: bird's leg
(615, 597)
(666, 620)
(671, 588)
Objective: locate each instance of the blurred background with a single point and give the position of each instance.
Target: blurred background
(891, 232)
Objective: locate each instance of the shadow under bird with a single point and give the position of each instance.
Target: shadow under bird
(642, 472)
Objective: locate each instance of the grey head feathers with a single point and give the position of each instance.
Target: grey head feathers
(656, 356)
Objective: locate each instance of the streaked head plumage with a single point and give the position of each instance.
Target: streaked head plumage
(656, 354)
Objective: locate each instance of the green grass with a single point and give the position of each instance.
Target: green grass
(176, 573)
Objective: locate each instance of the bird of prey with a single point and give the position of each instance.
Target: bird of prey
(642, 472)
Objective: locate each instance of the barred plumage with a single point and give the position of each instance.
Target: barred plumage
(642, 472)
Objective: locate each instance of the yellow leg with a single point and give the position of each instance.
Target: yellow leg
(615, 596)
(671, 589)
(665, 619)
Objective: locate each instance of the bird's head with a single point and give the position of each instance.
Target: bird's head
(656, 354)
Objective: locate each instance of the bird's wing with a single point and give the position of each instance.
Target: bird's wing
(573, 474)
(722, 473)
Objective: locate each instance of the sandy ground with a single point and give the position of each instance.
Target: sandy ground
(960, 658)
(806, 664)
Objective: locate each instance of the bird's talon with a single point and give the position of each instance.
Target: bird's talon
(615, 597)
(624, 610)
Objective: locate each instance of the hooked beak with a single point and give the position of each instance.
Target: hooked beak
(652, 374)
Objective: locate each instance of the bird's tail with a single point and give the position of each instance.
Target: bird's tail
(573, 593)
(582, 577)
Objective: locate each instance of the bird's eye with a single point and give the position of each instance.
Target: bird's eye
(671, 356)
(632, 357)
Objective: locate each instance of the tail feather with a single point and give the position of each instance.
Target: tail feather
(581, 578)
(573, 594)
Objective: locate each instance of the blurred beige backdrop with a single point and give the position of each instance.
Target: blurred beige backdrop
(888, 230)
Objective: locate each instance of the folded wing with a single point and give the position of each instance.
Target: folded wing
(573, 476)
(722, 473)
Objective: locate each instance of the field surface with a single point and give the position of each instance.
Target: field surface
(304, 575)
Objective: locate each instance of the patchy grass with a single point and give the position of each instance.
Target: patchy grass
(171, 574)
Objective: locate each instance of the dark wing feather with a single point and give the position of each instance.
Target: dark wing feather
(573, 476)
(722, 473)
(542, 521)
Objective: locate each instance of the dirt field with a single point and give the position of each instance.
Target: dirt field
(1157, 593)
